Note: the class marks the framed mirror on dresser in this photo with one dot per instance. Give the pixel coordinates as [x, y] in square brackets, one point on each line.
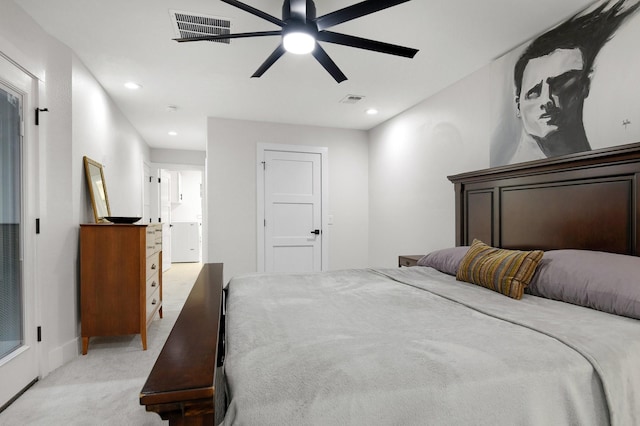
[97, 189]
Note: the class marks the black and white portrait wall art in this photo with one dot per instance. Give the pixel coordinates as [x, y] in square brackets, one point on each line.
[574, 88]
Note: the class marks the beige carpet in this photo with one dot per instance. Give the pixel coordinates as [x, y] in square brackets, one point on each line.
[102, 387]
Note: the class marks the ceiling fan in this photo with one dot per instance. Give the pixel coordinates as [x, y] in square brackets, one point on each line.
[301, 31]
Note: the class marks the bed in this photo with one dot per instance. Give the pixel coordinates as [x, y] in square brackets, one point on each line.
[423, 345]
[416, 347]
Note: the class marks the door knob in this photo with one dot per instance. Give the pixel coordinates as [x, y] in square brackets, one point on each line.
[316, 231]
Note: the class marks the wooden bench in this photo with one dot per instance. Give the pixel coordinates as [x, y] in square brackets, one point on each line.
[181, 385]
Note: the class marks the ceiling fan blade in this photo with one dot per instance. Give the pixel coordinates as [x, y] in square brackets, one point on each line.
[365, 43]
[328, 64]
[252, 10]
[354, 11]
[270, 61]
[227, 36]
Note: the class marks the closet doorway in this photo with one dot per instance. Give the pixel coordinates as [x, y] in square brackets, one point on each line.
[186, 201]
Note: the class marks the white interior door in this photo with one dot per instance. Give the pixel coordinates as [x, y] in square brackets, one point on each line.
[165, 217]
[292, 211]
[18, 190]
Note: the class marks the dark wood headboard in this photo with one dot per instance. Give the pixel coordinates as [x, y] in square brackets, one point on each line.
[585, 201]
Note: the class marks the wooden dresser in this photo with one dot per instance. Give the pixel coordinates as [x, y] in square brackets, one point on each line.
[120, 279]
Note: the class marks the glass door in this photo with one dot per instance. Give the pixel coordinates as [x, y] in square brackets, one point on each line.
[11, 306]
[18, 190]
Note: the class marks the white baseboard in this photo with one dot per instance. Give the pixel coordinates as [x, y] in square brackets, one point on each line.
[62, 354]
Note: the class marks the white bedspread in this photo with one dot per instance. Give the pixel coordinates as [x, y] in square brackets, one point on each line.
[413, 346]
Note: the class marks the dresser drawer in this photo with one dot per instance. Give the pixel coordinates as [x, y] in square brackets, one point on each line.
[153, 283]
[153, 264]
[153, 303]
[158, 235]
[151, 249]
[154, 238]
[152, 233]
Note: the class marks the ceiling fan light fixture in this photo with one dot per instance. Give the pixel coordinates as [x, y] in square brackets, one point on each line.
[298, 42]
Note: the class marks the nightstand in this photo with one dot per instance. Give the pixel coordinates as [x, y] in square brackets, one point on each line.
[409, 260]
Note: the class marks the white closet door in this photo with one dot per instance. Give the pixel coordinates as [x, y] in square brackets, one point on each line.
[293, 207]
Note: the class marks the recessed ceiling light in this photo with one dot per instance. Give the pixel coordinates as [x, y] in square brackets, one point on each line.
[172, 133]
[372, 111]
[132, 85]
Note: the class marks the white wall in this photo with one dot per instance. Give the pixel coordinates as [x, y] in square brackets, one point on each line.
[411, 202]
[231, 183]
[178, 156]
[81, 120]
[103, 133]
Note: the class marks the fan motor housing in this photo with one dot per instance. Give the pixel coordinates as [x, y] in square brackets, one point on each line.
[289, 14]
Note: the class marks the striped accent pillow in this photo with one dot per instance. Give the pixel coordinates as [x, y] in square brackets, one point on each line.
[505, 271]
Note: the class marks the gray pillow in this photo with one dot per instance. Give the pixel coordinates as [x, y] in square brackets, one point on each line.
[604, 281]
[445, 260]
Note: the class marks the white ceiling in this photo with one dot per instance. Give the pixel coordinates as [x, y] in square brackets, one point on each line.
[123, 40]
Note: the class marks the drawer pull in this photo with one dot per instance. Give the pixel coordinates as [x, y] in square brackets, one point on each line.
[153, 284]
[154, 266]
[153, 302]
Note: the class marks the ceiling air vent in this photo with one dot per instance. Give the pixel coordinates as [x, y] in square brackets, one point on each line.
[351, 99]
[188, 24]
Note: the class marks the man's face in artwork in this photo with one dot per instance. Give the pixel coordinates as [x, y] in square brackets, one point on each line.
[554, 87]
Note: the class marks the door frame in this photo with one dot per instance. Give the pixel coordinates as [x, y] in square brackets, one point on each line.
[260, 197]
[165, 203]
[155, 200]
[147, 189]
